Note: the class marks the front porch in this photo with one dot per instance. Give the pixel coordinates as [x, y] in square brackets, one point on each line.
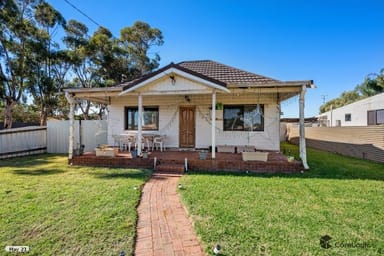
[177, 161]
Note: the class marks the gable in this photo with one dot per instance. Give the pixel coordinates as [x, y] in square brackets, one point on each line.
[181, 85]
[174, 80]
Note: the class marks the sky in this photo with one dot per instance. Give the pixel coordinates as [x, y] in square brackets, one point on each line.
[336, 43]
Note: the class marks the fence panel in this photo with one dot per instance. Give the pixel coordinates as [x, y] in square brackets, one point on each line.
[365, 142]
[23, 141]
[91, 133]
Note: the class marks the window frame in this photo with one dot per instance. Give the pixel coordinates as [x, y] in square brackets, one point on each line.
[136, 109]
[381, 118]
[372, 114]
[348, 117]
[242, 112]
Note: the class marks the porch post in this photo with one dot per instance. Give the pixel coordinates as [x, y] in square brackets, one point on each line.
[71, 101]
[213, 126]
[302, 146]
[139, 124]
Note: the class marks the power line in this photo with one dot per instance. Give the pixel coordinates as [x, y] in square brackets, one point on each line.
[83, 13]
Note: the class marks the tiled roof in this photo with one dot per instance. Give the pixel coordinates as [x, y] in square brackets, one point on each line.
[228, 75]
[220, 74]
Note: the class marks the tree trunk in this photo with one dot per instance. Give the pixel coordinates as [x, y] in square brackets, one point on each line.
[43, 117]
[9, 104]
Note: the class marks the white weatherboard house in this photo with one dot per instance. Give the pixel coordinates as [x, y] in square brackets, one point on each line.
[198, 104]
[368, 111]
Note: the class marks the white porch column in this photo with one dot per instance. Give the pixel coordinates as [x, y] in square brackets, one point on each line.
[71, 101]
[139, 124]
[302, 146]
[213, 126]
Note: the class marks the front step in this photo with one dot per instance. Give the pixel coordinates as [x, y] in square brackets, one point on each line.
[170, 169]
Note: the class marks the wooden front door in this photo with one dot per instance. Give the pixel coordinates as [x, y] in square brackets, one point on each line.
[187, 127]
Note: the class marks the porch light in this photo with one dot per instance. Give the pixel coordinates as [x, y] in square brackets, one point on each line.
[173, 79]
[216, 249]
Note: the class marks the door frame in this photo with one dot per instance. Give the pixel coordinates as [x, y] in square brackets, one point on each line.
[194, 125]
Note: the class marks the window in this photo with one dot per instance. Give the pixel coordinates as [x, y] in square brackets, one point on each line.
[150, 118]
[371, 117]
[375, 117]
[380, 116]
[348, 118]
[244, 117]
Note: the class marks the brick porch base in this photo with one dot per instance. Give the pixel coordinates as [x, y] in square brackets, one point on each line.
[231, 162]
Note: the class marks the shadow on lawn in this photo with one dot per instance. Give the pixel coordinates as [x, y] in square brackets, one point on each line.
[123, 174]
[37, 172]
[313, 173]
[30, 161]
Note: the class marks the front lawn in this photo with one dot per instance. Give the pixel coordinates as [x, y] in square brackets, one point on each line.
[56, 209]
[340, 197]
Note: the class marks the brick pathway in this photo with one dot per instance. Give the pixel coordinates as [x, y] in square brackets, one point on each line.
[163, 226]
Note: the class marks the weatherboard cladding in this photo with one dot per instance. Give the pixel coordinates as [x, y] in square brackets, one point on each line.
[211, 71]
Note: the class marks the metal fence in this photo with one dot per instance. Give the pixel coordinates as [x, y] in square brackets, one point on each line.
[23, 141]
[89, 133]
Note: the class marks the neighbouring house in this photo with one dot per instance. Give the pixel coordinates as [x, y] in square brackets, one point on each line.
[198, 104]
[365, 112]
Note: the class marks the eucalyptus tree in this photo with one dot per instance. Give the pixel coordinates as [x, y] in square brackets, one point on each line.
[102, 60]
[17, 34]
[136, 41]
[47, 61]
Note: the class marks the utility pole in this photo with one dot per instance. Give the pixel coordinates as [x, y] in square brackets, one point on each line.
[324, 96]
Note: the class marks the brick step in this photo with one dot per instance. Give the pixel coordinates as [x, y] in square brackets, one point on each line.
[170, 169]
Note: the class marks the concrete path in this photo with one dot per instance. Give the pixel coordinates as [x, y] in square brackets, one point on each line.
[163, 226]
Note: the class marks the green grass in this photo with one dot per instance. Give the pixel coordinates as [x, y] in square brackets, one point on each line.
[287, 214]
[57, 209]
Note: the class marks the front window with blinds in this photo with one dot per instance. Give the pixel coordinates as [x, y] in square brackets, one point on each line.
[244, 117]
[150, 118]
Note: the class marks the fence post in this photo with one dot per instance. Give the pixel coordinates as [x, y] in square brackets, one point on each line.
[71, 124]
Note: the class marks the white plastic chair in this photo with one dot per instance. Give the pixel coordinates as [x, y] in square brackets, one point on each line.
[116, 139]
[158, 141]
[126, 142]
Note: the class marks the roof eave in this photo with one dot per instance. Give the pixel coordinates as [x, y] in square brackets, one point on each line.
[299, 83]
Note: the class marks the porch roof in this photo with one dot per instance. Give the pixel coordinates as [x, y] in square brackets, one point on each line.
[213, 75]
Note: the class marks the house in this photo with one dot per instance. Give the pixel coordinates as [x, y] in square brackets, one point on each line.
[198, 104]
[368, 111]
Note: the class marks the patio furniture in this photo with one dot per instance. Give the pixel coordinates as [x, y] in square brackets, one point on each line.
[158, 141]
[126, 142]
[116, 140]
[144, 142]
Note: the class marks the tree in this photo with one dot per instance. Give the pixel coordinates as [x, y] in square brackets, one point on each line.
[17, 33]
[102, 60]
[346, 97]
[137, 40]
[372, 85]
[46, 62]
